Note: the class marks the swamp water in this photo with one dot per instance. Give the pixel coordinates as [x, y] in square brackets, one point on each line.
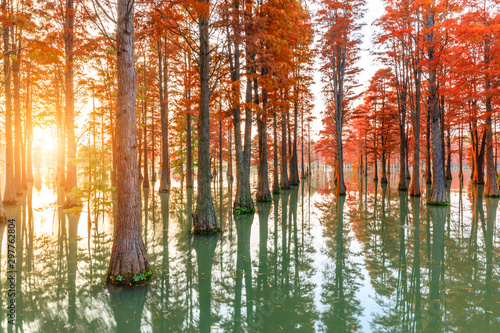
[372, 261]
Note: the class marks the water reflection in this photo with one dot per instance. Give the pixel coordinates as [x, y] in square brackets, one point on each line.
[308, 261]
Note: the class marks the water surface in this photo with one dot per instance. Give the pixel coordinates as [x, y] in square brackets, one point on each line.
[372, 261]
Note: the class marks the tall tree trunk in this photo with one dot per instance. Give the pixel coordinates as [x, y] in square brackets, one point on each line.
[18, 133]
[403, 144]
[10, 181]
[263, 193]
[491, 186]
[294, 168]
[145, 181]
[384, 169]
[163, 88]
[438, 193]
[204, 218]
[448, 155]
[61, 135]
[276, 185]
[285, 183]
[29, 129]
[303, 175]
[428, 172]
[220, 142]
[375, 169]
[71, 176]
[415, 179]
[230, 162]
[128, 255]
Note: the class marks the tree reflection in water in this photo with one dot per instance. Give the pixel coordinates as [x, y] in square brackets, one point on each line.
[374, 260]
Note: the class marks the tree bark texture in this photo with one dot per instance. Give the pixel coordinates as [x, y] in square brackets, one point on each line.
[204, 218]
[128, 254]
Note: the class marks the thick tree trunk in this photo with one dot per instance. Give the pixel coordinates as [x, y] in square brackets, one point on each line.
[10, 181]
[402, 157]
[163, 87]
[285, 182]
[438, 193]
[128, 255]
[263, 193]
[71, 175]
[204, 218]
[478, 150]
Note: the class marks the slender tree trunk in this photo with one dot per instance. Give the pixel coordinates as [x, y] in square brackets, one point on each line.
[145, 181]
[204, 218]
[163, 89]
[230, 162]
[71, 176]
[263, 193]
[128, 255]
[438, 193]
[10, 181]
[384, 169]
[448, 155]
[491, 186]
[29, 129]
[294, 168]
[303, 175]
[61, 136]
[375, 169]
[189, 179]
[220, 142]
[18, 133]
[285, 183]
[415, 181]
[276, 185]
[403, 144]
[428, 172]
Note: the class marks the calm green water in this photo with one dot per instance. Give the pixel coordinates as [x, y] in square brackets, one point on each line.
[373, 261]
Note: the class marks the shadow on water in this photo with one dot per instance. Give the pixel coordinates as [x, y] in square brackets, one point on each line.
[308, 261]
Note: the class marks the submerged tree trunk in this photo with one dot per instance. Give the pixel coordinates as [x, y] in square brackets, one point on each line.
[448, 155]
[10, 182]
[438, 193]
[263, 193]
[415, 181]
[71, 176]
[276, 185]
[163, 87]
[491, 187]
[285, 182]
[204, 218]
[128, 255]
[29, 130]
[294, 168]
[145, 181]
[428, 172]
[384, 169]
[18, 134]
